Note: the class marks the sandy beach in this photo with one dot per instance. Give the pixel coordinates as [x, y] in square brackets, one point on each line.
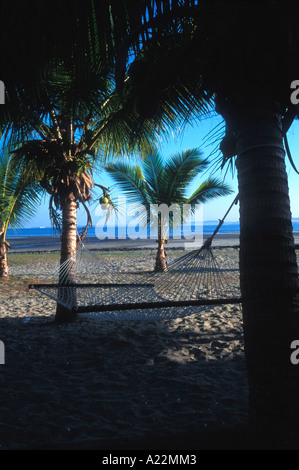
[44, 243]
[159, 384]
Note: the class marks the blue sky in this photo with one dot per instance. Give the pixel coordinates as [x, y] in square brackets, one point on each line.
[196, 136]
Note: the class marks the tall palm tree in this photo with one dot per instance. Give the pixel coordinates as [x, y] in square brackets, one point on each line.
[57, 143]
[58, 139]
[74, 115]
[244, 55]
[253, 96]
[19, 198]
[156, 182]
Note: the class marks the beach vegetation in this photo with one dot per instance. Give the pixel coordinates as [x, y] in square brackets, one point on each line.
[33, 258]
[156, 182]
[65, 136]
[19, 199]
[57, 145]
[65, 118]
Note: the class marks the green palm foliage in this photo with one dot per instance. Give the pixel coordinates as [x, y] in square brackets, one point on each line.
[58, 141]
[55, 144]
[155, 182]
[19, 198]
[74, 122]
[77, 123]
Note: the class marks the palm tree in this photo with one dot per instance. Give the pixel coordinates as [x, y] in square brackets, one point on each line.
[157, 182]
[253, 97]
[73, 115]
[57, 145]
[19, 199]
[59, 139]
[244, 55]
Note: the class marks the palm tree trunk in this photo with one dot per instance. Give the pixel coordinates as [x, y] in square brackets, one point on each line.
[68, 257]
[269, 278]
[161, 261]
[4, 272]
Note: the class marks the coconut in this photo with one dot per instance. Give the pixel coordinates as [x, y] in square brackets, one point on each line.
[104, 201]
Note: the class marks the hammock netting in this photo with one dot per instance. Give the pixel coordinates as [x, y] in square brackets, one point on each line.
[89, 285]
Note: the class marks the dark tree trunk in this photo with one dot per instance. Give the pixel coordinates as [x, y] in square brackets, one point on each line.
[68, 252]
[269, 278]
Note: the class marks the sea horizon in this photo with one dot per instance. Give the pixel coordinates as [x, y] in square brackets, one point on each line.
[207, 228]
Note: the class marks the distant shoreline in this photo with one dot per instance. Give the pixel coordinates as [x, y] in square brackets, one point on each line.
[52, 243]
[47, 243]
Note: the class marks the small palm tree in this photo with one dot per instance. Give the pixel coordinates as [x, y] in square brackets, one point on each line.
[156, 182]
[19, 199]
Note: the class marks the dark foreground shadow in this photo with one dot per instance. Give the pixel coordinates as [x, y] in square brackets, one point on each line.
[222, 439]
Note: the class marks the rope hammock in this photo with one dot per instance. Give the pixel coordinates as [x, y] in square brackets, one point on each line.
[192, 282]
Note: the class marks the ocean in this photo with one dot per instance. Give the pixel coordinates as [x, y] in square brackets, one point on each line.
[208, 228]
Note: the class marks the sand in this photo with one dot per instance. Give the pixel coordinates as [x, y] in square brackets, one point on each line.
[174, 384]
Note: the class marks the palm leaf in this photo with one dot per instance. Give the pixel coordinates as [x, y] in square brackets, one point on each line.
[209, 189]
[153, 170]
[19, 197]
[156, 182]
[180, 170]
[131, 180]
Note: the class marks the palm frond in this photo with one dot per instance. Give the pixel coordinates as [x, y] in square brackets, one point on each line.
[180, 170]
[209, 189]
[19, 196]
[156, 183]
[131, 180]
[153, 170]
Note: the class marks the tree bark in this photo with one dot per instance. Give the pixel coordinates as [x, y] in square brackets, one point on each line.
[269, 278]
[161, 260]
[4, 272]
[68, 253]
